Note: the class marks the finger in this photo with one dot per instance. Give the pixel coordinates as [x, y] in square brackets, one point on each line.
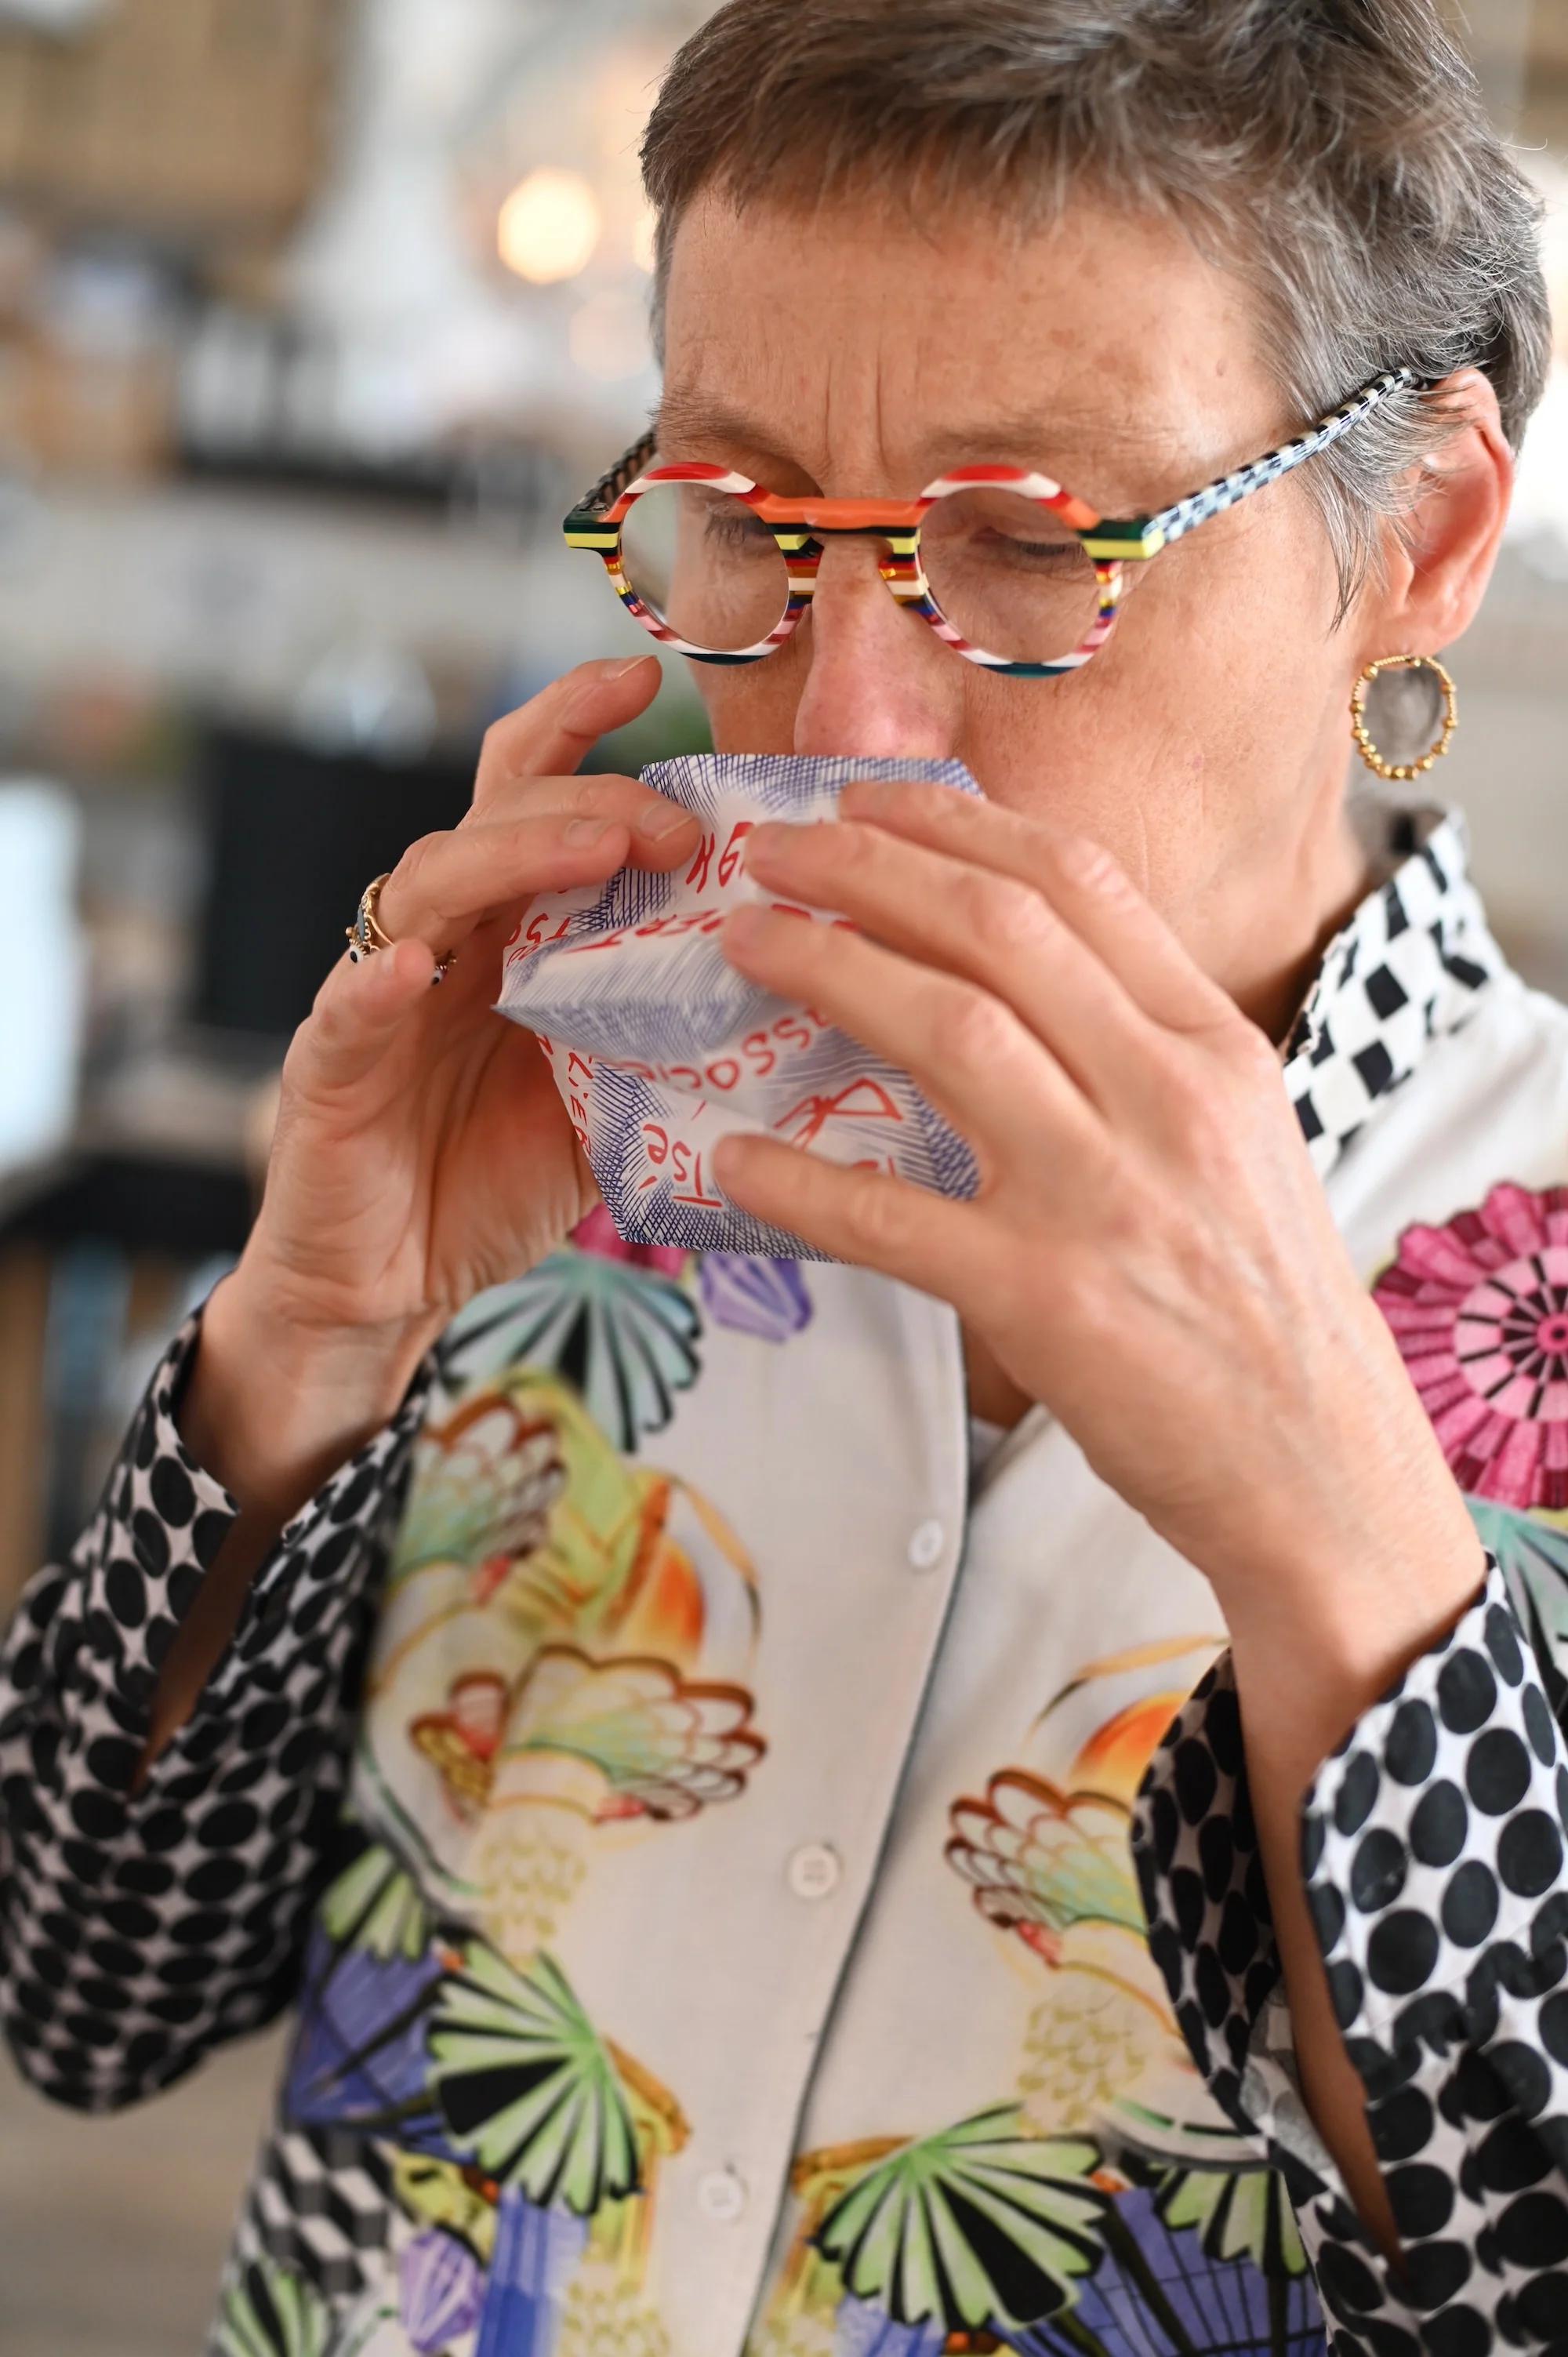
[867, 1218]
[1088, 889]
[557, 729]
[661, 831]
[986, 924]
[1000, 1085]
[358, 1011]
[446, 885]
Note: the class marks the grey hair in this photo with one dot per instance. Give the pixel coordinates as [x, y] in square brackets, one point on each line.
[1336, 154]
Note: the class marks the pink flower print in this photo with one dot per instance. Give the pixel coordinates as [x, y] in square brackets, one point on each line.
[598, 1235]
[1480, 1309]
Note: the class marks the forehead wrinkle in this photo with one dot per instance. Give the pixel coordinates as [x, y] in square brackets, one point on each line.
[1069, 434]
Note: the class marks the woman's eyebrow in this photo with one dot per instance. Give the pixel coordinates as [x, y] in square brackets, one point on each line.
[695, 418]
[1069, 434]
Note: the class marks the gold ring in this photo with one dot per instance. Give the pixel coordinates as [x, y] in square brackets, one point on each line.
[365, 936]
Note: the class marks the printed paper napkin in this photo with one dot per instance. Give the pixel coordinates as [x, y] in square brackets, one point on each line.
[659, 1047]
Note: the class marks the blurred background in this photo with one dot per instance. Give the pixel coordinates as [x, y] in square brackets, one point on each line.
[315, 315]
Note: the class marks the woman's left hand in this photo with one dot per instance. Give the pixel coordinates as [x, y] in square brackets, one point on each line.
[1151, 1254]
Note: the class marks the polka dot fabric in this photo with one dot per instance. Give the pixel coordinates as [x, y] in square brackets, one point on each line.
[138, 1928]
[1433, 1846]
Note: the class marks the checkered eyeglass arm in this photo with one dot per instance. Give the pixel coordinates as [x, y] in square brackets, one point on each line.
[1174, 521]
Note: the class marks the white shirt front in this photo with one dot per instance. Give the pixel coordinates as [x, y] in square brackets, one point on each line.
[733, 1941]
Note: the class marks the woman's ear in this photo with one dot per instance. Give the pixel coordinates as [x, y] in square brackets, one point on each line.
[1439, 556]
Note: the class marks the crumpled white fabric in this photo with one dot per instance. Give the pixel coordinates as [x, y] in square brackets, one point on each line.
[659, 1047]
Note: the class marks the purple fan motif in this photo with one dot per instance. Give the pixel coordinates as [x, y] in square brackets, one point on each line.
[442, 2288]
[1157, 2293]
[862, 2332]
[765, 1298]
[536, 2257]
[359, 2058]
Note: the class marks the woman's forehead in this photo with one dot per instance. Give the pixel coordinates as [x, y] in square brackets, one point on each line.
[854, 335]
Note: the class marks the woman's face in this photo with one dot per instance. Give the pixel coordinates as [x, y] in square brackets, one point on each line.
[1207, 745]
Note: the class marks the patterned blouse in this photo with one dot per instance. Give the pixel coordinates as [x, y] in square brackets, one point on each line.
[747, 1887]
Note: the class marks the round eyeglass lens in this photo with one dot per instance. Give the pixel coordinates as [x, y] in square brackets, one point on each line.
[707, 567]
[1009, 574]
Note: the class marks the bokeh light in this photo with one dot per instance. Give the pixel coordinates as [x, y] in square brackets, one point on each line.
[549, 227]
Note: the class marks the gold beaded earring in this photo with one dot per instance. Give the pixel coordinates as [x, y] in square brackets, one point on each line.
[1368, 751]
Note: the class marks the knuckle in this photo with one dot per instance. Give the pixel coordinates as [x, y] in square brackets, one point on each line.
[1085, 864]
[319, 1027]
[1004, 913]
[959, 813]
[878, 1218]
[505, 746]
[1251, 1057]
[412, 877]
[970, 1028]
[495, 746]
[1199, 1128]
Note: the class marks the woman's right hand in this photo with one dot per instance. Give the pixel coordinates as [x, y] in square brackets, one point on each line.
[421, 1150]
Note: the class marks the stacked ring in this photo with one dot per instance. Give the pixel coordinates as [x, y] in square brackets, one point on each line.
[365, 936]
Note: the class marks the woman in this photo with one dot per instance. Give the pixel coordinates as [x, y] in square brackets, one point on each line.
[812, 1875]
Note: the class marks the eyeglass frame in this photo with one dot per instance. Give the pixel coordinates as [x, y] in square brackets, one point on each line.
[799, 525]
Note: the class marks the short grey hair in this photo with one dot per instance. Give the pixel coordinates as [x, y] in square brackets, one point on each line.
[1336, 154]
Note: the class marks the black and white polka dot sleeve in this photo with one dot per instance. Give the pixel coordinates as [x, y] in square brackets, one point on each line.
[1433, 1850]
[139, 1929]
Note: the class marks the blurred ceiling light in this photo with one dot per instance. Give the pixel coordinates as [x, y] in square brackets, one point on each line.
[644, 240]
[608, 337]
[549, 227]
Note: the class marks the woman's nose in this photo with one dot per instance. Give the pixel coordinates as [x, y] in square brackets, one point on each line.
[876, 680]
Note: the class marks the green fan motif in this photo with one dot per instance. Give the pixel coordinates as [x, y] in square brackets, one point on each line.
[375, 1905]
[526, 2084]
[624, 1338]
[977, 2227]
[1243, 2213]
[270, 2313]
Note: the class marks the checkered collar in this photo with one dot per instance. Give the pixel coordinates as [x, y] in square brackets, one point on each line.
[1407, 968]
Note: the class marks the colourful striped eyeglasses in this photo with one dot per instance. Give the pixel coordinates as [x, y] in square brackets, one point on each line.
[1014, 572]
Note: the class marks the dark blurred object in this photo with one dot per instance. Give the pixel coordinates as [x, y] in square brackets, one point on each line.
[294, 837]
[201, 120]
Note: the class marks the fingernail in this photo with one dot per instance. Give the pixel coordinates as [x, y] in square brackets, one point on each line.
[665, 820]
[584, 831]
[585, 696]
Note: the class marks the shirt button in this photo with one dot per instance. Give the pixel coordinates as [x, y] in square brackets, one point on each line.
[721, 2196]
[926, 1547]
[814, 1870]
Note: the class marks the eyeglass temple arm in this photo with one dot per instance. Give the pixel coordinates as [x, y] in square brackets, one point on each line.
[1147, 535]
[1129, 536]
[609, 487]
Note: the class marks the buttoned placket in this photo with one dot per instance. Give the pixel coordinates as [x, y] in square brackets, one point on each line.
[817, 1888]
